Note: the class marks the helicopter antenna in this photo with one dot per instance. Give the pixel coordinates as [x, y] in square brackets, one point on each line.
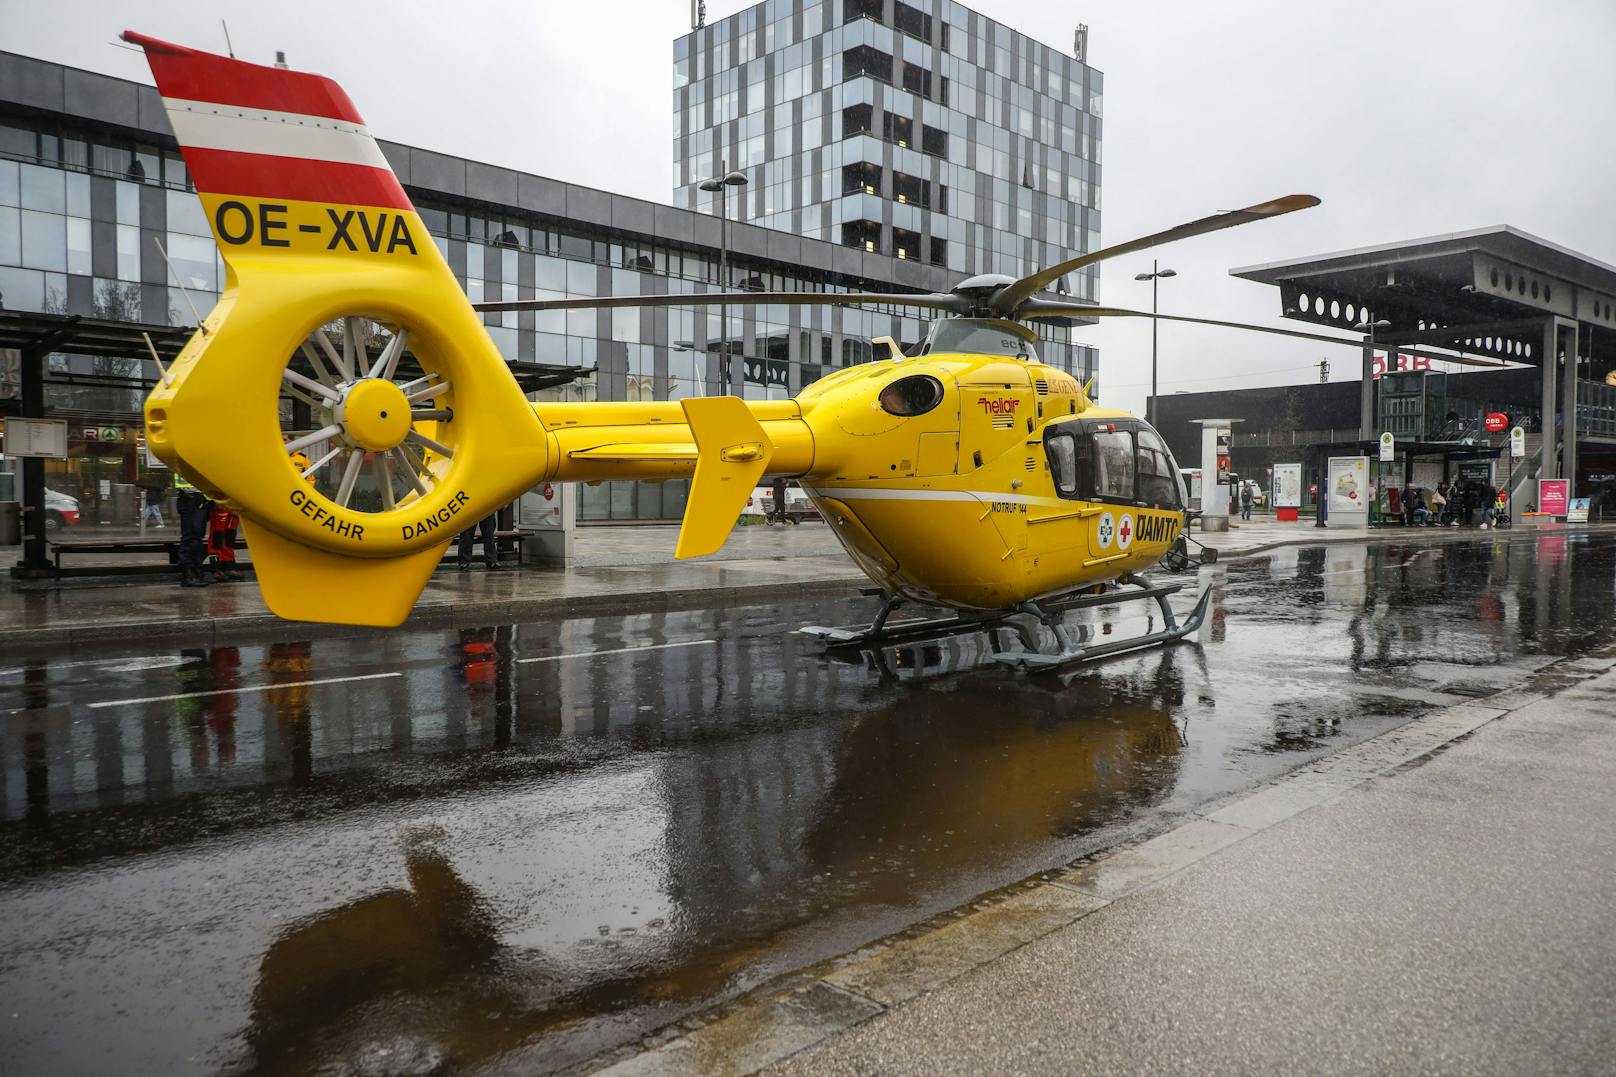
[231, 49]
[181, 286]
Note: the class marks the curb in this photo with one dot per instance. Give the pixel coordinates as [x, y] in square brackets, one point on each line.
[812, 1007]
[436, 617]
[1443, 537]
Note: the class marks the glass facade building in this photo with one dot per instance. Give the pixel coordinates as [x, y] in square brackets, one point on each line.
[921, 129]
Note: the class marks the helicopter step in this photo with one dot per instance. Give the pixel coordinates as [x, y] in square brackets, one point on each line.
[883, 632]
[1071, 654]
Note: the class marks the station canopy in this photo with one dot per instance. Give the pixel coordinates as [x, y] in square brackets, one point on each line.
[1487, 292]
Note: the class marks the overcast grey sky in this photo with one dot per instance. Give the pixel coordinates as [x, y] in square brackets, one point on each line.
[1408, 117]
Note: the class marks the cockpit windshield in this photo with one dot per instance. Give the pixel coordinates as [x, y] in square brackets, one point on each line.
[978, 336]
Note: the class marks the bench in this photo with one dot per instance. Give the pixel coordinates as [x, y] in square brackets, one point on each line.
[504, 542]
[170, 546]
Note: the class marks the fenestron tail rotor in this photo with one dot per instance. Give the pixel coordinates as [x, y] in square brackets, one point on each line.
[369, 428]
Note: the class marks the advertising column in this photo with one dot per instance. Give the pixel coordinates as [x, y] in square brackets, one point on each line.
[1287, 491]
[1348, 491]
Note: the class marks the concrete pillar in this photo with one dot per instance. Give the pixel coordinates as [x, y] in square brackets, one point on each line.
[1366, 393]
[1568, 407]
[1547, 350]
[1214, 495]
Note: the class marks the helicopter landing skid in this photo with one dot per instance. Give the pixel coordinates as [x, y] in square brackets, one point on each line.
[1070, 655]
[883, 632]
[880, 631]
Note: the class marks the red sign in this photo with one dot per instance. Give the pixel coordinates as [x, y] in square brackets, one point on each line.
[1404, 362]
[1552, 496]
[1496, 422]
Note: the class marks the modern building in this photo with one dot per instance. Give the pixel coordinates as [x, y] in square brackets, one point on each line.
[920, 130]
[91, 180]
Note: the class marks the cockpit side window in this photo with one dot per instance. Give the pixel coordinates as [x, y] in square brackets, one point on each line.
[1113, 464]
[1062, 454]
[1159, 483]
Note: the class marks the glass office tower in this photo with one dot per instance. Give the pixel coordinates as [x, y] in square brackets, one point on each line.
[922, 130]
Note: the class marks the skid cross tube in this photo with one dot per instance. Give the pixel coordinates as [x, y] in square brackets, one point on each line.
[1070, 655]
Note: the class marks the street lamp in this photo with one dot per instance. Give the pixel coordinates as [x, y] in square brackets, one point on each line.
[1156, 274]
[1368, 423]
[719, 185]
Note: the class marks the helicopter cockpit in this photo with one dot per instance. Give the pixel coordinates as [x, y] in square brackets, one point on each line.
[1117, 461]
[980, 336]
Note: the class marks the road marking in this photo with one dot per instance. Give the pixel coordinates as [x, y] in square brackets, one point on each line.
[617, 650]
[242, 690]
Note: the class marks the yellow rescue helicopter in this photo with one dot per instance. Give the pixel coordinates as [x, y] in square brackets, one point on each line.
[968, 476]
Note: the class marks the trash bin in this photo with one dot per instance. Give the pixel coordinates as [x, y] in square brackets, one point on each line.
[10, 523]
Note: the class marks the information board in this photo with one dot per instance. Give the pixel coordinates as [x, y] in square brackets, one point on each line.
[1578, 512]
[1287, 486]
[1349, 484]
[36, 437]
[1553, 496]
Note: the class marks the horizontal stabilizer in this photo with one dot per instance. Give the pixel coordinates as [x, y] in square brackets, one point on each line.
[733, 452]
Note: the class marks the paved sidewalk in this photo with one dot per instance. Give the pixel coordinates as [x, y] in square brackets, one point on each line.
[1434, 900]
[616, 569]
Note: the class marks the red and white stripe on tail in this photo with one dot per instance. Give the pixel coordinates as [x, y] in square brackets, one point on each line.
[266, 132]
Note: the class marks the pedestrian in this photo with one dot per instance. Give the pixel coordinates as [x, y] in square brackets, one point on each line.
[1245, 501]
[777, 489]
[191, 506]
[1488, 498]
[490, 546]
[152, 489]
[1408, 498]
[1439, 506]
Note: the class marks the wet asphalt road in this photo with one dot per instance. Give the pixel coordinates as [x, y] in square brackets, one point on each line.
[507, 849]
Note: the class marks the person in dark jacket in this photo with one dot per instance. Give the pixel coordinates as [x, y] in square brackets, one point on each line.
[490, 546]
[192, 506]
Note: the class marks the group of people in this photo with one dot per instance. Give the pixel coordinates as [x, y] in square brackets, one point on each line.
[1470, 502]
[206, 530]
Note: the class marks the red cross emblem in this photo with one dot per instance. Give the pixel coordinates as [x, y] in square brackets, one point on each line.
[1127, 532]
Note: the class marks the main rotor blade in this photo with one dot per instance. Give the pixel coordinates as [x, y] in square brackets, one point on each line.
[1039, 309]
[932, 300]
[1008, 300]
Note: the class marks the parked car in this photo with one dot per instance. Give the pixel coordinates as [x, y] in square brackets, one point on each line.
[60, 510]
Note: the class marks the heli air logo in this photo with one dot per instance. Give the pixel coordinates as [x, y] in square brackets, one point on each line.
[1001, 411]
[1107, 531]
[1125, 532]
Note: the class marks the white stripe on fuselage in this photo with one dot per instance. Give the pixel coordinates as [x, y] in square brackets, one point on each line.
[209, 126]
[866, 493]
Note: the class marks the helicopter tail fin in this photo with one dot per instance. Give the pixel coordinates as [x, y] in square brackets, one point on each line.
[411, 427]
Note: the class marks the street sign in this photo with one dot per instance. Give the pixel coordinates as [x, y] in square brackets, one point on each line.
[36, 437]
[1496, 422]
[1517, 443]
[1388, 448]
